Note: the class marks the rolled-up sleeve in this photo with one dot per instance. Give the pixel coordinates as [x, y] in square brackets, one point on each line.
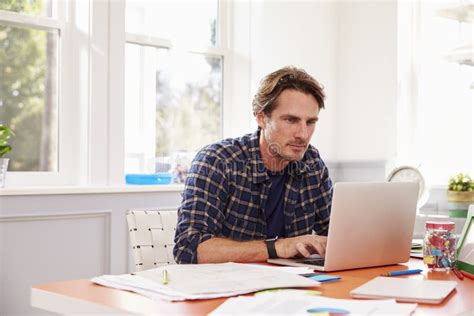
[201, 213]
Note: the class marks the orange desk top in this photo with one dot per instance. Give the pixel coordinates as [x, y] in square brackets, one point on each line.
[459, 301]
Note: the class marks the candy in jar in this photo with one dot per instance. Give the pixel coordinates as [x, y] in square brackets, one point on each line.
[439, 245]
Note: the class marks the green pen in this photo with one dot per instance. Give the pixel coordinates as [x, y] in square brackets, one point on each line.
[164, 278]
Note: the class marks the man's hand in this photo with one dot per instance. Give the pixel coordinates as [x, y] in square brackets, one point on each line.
[305, 245]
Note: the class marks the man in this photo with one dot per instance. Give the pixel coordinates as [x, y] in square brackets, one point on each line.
[263, 195]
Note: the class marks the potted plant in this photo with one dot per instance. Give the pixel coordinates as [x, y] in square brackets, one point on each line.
[5, 134]
[460, 194]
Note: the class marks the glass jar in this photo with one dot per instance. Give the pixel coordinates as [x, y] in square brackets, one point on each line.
[439, 246]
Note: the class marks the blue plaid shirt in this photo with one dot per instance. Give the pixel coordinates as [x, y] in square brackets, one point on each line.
[226, 190]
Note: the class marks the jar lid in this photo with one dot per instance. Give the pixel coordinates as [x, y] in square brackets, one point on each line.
[440, 225]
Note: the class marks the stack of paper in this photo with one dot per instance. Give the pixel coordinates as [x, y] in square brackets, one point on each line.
[293, 303]
[203, 281]
[417, 248]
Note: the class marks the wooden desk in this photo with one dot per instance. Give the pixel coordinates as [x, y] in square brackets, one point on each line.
[82, 296]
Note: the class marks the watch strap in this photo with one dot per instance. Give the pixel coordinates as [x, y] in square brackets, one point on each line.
[270, 243]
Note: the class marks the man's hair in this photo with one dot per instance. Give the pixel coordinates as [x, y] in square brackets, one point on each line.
[283, 79]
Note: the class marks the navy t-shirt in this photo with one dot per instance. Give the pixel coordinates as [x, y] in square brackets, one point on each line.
[274, 206]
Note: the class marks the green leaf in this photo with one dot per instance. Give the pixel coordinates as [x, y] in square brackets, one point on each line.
[5, 149]
[461, 182]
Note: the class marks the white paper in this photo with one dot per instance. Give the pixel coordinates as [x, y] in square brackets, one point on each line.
[202, 281]
[225, 277]
[133, 283]
[297, 304]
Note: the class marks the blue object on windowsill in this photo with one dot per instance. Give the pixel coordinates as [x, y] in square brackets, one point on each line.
[149, 179]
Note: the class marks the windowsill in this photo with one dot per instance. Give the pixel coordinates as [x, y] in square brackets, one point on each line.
[90, 189]
[421, 219]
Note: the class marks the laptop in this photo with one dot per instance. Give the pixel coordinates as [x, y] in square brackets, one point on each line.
[371, 225]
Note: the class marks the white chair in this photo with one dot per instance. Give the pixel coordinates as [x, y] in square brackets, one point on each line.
[152, 237]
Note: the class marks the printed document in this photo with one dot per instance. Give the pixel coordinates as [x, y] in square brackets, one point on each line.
[294, 303]
[201, 281]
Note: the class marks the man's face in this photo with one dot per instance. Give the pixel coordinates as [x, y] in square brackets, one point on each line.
[288, 129]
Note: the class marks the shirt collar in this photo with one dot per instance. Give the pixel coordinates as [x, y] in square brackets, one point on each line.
[258, 169]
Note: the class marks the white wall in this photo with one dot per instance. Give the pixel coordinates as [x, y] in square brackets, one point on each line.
[351, 48]
[53, 236]
[302, 34]
[366, 88]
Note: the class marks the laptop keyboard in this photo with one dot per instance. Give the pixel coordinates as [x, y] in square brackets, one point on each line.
[313, 261]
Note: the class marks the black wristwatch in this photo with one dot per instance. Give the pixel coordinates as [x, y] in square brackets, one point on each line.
[272, 254]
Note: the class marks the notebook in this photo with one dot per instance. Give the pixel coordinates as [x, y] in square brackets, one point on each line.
[371, 225]
[405, 290]
[417, 248]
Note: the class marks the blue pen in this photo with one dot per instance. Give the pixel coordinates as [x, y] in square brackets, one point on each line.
[402, 272]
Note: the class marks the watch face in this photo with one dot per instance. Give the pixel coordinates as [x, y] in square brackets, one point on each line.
[410, 174]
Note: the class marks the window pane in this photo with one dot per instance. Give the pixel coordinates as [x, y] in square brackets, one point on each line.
[193, 23]
[29, 7]
[176, 98]
[28, 96]
[446, 112]
[139, 108]
[188, 101]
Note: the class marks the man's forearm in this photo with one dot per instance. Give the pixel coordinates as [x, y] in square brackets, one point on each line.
[216, 250]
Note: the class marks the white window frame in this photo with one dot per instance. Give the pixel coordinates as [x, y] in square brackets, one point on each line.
[91, 87]
[222, 50]
[66, 106]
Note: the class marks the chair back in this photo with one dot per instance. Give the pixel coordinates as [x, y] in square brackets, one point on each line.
[152, 237]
